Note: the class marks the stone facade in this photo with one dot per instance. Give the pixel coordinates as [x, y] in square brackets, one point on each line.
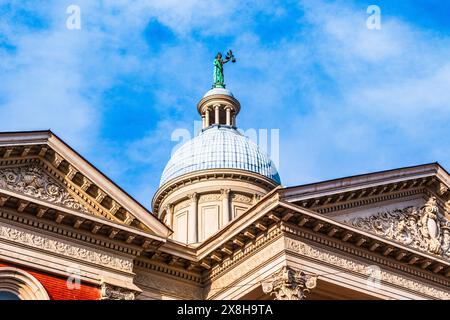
[68, 232]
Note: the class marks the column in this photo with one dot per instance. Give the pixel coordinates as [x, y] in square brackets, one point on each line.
[289, 284]
[233, 120]
[193, 215]
[228, 111]
[225, 206]
[216, 115]
[207, 122]
[168, 219]
[203, 121]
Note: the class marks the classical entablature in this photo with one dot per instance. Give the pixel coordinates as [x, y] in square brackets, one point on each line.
[423, 228]
[56, 203]
[316, 241]
[337, 224]
[59, 166]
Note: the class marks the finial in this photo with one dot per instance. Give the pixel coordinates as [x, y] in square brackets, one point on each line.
[218, 68]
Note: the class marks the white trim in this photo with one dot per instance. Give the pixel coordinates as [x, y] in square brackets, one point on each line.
[21, 283]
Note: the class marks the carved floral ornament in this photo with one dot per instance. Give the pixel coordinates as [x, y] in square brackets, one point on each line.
[362, 268]
[424, 228]
[37, 241]
[32, 181]
[110, 292]
[289, 284]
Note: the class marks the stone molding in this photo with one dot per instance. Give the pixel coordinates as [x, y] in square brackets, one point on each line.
[181, 205]
[241, 270]
[363, 269]
[169, 286]
[209, 197]
[354, 251]
[31, 180]
[10, 215]
[206, 175]
[110, 292]
[62, 248]
[289, 284]
[237, 197]
[166, 269]
[367, 201]
[260, 242]
[424, 228]
[21, 283]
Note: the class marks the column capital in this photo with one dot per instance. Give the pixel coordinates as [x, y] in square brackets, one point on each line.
[111, 292]
[193, 196]
[290, 284]
[256, 198]
[225, 193]
[168, 207]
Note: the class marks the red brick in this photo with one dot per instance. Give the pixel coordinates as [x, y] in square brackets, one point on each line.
[56, 286]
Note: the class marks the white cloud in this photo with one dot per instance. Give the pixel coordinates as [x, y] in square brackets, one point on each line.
[342, 96]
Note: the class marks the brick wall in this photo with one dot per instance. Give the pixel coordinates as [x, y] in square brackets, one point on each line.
[56, 286]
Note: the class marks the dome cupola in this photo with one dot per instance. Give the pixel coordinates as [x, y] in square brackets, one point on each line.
[216, 176]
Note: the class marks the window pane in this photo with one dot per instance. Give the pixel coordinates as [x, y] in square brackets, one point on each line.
[4, 295]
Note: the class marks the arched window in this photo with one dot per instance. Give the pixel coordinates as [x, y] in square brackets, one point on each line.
[6, 295]
[18, 284]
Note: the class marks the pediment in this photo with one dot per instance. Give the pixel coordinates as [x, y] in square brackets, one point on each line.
[409, 206]
[32, 180]
[40, 165]
[425, 228]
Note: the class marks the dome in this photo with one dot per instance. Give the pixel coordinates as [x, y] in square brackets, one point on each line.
[215, 91]
[219, 147]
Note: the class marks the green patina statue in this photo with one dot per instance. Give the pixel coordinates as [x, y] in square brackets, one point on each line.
[218, 68]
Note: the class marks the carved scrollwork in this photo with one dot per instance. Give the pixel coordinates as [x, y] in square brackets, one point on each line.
[32, 181]
[289, 284]
[423, 228]
[65, 249]
[241, 198]
[181, 205]
[110, 292]
[210, 197]
[356, 266]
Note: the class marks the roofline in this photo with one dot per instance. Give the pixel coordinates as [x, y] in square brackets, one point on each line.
[370, 174]
[205, 172]
[51, 134]
[362, 180]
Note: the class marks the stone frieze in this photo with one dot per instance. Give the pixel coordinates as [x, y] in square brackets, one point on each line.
[424, 228]
[32, 181]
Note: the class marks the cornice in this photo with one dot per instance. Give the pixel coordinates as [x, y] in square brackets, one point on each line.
[354, 251]
[86, 180]
[45, 241]
[364, 181]
[208, 175]
[176, 273]
[211, 99]
[347, 205]
[52, 228]
[389, 276]
[76, 224]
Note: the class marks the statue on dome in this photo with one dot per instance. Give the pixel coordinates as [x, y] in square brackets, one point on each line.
[218, 68]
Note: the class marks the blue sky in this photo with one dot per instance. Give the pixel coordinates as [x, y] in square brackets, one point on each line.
[346, 99]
